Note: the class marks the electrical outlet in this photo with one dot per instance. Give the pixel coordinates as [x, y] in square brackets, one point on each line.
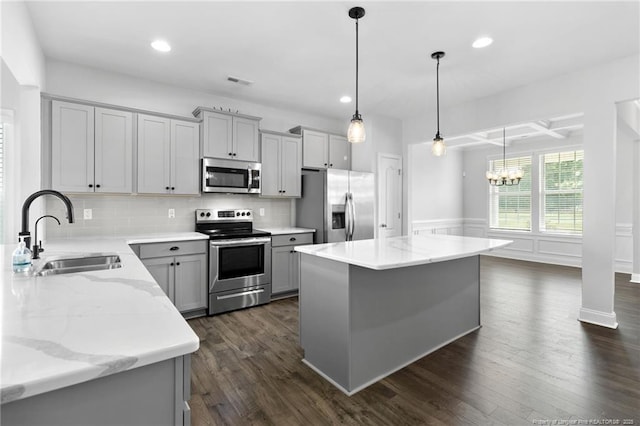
[261, 211]
[172, 213]
[88, 214]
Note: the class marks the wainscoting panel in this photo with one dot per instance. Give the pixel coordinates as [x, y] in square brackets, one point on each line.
[545, 248]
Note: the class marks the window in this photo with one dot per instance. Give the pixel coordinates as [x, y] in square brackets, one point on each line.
[561, 192]
[510, 206]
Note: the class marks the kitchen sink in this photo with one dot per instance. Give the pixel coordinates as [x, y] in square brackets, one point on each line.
[83, 263]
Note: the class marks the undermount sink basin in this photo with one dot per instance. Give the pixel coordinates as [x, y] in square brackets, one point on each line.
[84, 263]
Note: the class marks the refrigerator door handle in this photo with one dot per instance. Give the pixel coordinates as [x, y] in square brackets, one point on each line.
[349, 213]
[353, 215]
[347, 216]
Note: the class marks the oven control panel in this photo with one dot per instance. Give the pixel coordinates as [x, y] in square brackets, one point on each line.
[212, 215]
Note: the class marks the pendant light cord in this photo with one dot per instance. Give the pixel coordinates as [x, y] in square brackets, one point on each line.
[504, 149]
[357, 113]
[438, 95]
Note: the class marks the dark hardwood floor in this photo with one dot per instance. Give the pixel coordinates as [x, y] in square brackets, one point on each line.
[532, 362]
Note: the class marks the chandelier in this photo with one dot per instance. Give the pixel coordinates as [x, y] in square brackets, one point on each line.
[507, 176]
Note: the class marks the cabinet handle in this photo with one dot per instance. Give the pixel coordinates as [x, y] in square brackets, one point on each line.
[177, 263]
[174, 248]
[292, 251]
[325, 164]
[98, 186]
[331, 165]
[166, 187]
[292, 239]
[171, 264]
[90, 186]
[173, 188]
[231, 154]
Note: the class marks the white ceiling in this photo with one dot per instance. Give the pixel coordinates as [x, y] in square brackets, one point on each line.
[301, 55]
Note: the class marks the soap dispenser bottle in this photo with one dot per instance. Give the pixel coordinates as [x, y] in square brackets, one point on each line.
[21, 258]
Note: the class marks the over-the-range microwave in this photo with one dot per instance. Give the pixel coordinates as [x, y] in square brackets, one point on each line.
[233, 176]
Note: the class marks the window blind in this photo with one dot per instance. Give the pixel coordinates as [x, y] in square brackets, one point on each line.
[510, 206]
[561, 192]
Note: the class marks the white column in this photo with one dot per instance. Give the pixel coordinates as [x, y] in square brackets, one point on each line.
[635, 275]
[599, 226]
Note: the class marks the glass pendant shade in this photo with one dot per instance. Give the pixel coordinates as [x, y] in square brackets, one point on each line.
[438, 148]
[356, 133]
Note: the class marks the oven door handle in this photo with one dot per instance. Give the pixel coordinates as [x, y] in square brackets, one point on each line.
[241, 242]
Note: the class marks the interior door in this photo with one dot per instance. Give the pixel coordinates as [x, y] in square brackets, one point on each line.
[389, 195]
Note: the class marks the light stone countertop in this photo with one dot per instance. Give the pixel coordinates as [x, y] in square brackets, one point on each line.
[399, 252]
[60, 330]
[287, 230]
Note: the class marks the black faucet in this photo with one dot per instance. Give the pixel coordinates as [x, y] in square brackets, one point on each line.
[24, 233]
[37, 248]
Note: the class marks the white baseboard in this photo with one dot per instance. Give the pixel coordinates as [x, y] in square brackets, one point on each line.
[604, 319]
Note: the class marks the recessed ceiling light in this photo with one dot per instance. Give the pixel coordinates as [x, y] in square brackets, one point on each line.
[482, 42]
[345, 99]
[161, 46]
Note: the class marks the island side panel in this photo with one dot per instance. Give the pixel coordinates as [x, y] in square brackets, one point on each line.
[400, 315]
[324, 317]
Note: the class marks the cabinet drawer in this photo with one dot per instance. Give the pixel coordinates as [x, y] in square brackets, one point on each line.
[175, 248]
[291, 239]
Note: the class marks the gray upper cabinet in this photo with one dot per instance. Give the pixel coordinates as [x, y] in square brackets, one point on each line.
[281, 164]
[229, 136]
[91, 148]
[168, 156]
[322, 150]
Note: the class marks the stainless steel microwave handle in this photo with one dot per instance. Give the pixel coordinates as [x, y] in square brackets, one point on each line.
[241, 241]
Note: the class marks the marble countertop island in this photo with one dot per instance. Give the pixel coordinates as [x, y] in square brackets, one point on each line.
[60, 330]
[397, 252]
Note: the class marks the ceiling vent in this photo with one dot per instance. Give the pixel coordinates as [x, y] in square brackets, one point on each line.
[239, 80]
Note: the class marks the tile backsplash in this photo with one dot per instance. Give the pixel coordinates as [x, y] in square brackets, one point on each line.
[114, 215]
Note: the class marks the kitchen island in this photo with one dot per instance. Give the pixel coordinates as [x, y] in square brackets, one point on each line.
[369, 308]
[99, 347]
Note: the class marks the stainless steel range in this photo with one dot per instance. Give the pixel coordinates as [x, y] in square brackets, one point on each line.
[239, 259]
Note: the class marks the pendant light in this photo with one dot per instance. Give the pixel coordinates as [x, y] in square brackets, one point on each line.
[356, 133]
[438, 148]
[506, 177]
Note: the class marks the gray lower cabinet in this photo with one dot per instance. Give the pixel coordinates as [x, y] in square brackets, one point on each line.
[154, 394]
[285, 279]
[180, 269]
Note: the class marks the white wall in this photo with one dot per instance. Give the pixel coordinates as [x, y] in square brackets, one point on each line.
[384, 135]
[75, 81]
[593, 91]
[23, 62]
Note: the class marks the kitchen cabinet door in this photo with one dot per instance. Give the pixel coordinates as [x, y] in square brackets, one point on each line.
[245, 135]
[113, 151]
[291, 165]
[72, 147]
[315, 147]
[339, 152]
[154, 154]
[281, 265]
[271, 169]
[185, 157]
[162, 270]
[191, 290]
[217, 135]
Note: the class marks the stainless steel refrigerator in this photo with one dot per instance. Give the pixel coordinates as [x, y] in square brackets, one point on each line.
[338, 204]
